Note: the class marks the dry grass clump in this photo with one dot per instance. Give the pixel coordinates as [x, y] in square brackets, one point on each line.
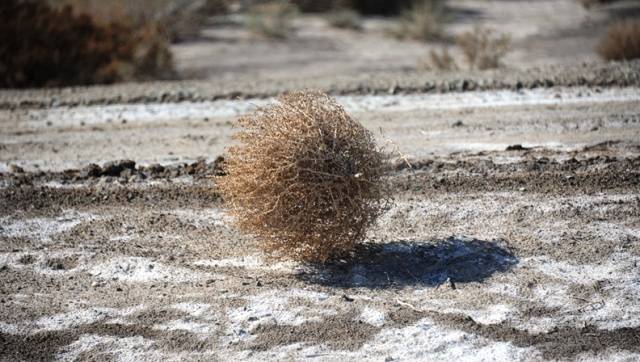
[483, 49]
[273, 19]
[305, 179]
[345, 19]
[44, 46]
[442, 60]
[180, 20]
[622, 41]
[424, 20]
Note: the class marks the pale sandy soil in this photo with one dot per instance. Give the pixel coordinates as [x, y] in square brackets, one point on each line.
[487, 254]
[422, 125]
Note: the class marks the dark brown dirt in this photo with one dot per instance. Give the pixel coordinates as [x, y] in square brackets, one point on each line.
[122, 171]
[537, 174]
[30, 198]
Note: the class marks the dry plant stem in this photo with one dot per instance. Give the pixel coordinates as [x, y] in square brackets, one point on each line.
[408, 305]
[305, 179]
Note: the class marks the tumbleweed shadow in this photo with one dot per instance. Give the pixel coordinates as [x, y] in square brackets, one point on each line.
[397, 264]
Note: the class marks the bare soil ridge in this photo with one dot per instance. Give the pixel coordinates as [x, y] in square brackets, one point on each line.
[615, 74]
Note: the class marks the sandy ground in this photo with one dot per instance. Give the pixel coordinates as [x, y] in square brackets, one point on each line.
[422, 125]
[514, 236]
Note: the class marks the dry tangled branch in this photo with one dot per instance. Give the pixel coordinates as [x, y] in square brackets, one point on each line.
[305, 178]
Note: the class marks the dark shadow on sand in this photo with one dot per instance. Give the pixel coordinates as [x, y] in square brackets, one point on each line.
[399, 264]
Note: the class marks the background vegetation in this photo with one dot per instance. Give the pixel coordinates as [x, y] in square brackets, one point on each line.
[76, 42]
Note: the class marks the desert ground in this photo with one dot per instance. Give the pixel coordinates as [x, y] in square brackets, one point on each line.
[514, 234]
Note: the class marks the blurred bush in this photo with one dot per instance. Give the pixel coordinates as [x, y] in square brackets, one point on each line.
[272, 19]
[622, 41]
[344, 19]
[483, 48]
[424, 20]
[180, 20]
[216, 7]
[45, 46]
[591, 3]
[440, 60]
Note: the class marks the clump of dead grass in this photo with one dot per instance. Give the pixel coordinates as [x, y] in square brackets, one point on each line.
[442, 60]
[180, 20]
[483, 48]
[344, 18]
[306, 179]
[273, 19]
[622, 41]
[424, 20]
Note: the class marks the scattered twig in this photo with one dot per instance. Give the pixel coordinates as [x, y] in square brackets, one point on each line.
[347, 298]
[410, 306]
